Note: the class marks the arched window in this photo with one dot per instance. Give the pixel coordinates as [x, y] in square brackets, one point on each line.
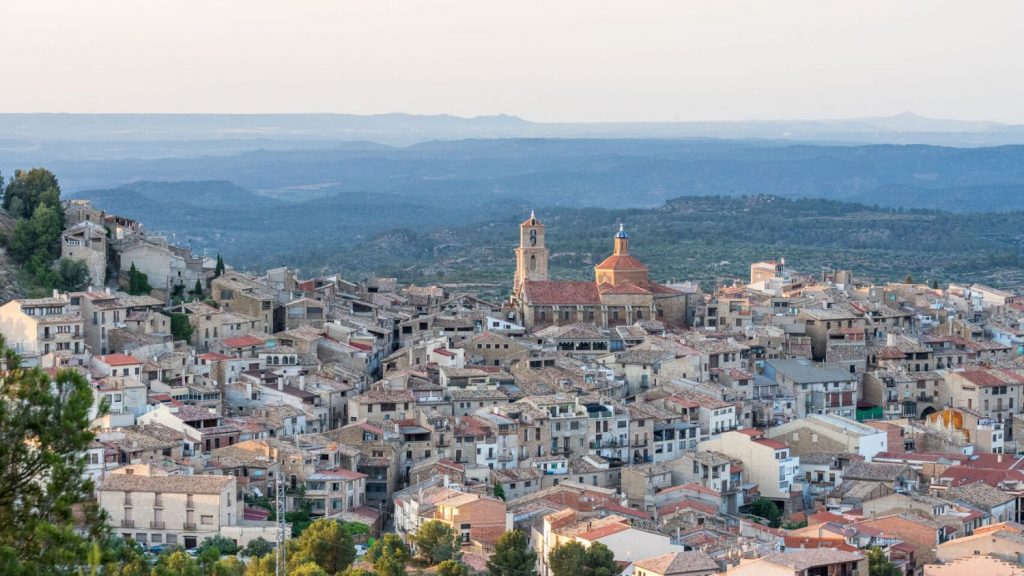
[533, 262]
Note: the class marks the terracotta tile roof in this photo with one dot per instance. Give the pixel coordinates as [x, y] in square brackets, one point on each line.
[961, 476]
[621, 262]
[118, 360]
[623, 288]
[242, 341]
[800, 560]
[603, 531]
[550, 292]
[891, 353]
[686, 504]
[691, 486]
[874, 471]
[970, 565]
[774, 444]
[988, 378]
[342, 473]
[678, 562]
[168, 484]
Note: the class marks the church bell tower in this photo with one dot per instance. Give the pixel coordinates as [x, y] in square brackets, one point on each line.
[531, 255]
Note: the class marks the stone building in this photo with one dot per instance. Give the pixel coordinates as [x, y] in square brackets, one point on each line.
[162, 509]
[87, 241]
[40, 327]
[622, 292]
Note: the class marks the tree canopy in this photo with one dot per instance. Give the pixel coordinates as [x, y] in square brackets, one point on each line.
[28, 190]
[138, 282]
[257, 548]
[765, 508]
[575, 559]
[44, 435]
[452, 568]
[389, 555]
[879, 564]
[512, 556]
[326, 543]
[436, 542]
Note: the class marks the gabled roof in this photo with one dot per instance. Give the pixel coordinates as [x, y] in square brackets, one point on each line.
[118, 360]
[623, 288]
[193, 484]
[678, 562]
[242, 341]
[550, 292]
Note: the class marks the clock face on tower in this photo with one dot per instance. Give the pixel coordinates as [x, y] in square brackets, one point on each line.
[533, 237]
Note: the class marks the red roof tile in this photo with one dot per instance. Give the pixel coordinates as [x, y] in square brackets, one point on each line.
[771, 443]
[624, 288]
[550, 292]
[603, 531]
[621, 262]
[118, 360]
[242, 341]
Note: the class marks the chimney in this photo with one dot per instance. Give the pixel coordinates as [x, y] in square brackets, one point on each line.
[55, 293]
[106, 291]
[302, 381]
[280, 384]
[999, 458]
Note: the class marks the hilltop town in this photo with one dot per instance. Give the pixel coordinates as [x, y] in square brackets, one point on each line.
[791, 424]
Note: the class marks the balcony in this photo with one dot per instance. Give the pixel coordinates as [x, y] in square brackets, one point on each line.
[157, 525]
[506, 457]
[189, 525]
[128, 523]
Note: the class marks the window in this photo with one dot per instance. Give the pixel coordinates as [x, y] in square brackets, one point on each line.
[206, 519]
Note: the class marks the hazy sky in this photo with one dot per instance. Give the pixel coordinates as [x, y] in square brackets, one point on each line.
[550, 60]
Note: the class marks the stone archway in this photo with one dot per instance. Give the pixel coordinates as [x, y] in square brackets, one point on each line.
[927, 411]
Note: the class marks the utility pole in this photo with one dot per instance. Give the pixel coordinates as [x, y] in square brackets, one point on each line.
[281, 526]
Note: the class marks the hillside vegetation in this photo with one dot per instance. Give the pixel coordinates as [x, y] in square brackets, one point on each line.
[706, 238]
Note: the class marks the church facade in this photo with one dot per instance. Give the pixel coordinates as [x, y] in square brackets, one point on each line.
[621, 293]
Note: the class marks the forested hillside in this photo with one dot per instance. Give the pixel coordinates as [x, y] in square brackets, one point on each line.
[709, 238]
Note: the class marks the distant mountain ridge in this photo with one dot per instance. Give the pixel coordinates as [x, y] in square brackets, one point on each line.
[588, 172]
[405, 129]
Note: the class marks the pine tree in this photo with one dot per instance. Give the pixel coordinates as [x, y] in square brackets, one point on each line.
[512, 556]
[324, 543]
[436, 542]
[44, 431]
[389, 555]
